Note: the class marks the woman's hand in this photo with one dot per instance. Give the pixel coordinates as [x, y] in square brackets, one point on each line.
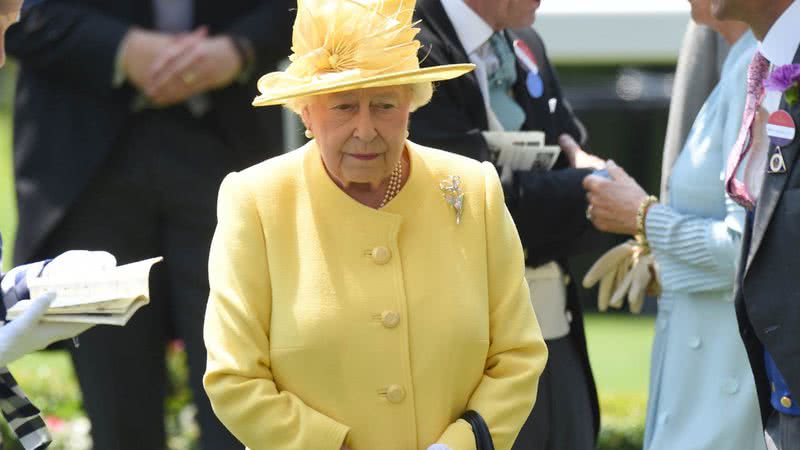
[614, 203]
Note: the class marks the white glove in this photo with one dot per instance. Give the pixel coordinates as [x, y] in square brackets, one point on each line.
[610, 270]
[78, 262]
[645, 281]
[627, 270]
[27, 333]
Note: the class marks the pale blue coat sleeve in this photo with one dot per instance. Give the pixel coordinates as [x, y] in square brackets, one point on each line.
[703, 251]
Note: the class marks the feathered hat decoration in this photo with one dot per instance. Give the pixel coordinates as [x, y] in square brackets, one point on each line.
[340, 45]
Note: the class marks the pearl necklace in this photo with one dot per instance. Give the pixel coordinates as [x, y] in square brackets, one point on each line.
[394, 184]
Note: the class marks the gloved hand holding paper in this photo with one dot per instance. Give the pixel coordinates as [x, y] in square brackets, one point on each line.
[106, 294]
[28, 333]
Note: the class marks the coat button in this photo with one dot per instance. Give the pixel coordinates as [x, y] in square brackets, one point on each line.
[395, 393]
[731, 386]
[786, 402]
[381, 255]
[390, 319]
[695, 342]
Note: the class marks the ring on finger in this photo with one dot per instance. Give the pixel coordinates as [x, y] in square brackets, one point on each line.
[189, 77]
[589, 213]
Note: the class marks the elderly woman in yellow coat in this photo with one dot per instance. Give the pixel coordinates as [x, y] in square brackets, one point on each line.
[366, 291]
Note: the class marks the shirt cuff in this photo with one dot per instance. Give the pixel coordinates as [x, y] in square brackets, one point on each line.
[119, 77]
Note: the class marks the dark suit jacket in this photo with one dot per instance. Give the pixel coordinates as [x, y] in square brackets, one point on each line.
[68, 116]
[548, 207]
[768, 284]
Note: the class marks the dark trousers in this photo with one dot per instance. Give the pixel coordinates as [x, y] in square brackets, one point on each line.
[782, 432]
[155, 196]
[562, 416]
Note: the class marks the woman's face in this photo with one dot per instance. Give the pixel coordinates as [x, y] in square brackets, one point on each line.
[361, 134]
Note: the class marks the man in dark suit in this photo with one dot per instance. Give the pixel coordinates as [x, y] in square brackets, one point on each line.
[548, 206]
[128, 115]
[767, 289]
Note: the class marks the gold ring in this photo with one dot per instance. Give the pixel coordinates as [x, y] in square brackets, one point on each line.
[589, 213]
[189, 77]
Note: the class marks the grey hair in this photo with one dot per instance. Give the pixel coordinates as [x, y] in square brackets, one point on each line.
[421, 94]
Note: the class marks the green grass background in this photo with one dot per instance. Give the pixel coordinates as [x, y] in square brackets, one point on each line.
[8, 215]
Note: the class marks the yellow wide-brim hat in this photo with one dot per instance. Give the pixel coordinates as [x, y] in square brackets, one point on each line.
[342, 45]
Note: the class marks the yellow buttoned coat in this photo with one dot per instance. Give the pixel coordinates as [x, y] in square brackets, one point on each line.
[333, 323]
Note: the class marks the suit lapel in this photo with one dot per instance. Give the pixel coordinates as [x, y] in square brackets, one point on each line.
[537, 110]
[774, 183]
[439, 23]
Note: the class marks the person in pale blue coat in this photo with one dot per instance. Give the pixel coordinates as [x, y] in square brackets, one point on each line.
[702, 393]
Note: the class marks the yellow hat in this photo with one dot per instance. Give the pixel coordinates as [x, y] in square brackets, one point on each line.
[341, 45]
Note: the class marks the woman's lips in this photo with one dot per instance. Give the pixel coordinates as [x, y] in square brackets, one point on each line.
[365, 156]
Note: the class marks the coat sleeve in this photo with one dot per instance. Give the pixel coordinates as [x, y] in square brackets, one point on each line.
[75, 43]
[707, 248]
[269, 29]
[517, 353]
[238, 377]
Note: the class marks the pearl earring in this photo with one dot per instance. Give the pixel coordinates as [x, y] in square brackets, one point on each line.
[309, 134]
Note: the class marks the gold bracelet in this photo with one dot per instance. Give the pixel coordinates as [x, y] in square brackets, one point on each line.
[641, 214]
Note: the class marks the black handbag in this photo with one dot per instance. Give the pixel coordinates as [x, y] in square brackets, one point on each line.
[483, 439]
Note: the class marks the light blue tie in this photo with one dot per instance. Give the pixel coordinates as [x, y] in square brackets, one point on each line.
[508, 112]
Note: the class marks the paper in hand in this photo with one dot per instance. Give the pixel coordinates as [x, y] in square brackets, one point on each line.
[520, 150]
[545, 157]
[110, 296]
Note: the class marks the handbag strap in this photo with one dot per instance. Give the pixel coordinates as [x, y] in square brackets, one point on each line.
[483, 439]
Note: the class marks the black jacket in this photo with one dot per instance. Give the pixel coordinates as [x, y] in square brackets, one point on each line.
[67, 50]
[548, 207]
[768, 283]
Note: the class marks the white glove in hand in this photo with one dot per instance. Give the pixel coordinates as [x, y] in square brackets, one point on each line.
[644, 282]
[76, 263]
[609, 269]
[626, 270]
[27, 333]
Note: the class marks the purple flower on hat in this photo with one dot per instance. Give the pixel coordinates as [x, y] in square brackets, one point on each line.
[785, 79]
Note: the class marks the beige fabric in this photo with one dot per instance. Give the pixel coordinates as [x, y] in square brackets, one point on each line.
[10, 6]
[548, 290]
[695, 78]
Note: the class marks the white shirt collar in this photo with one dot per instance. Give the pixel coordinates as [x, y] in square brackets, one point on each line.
[471, 29]
[781, 42]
